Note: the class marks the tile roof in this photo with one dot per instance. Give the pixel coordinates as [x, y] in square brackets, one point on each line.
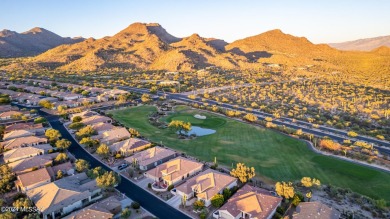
[19, 142]
[61, 193]
[9, 113]
[40, 175]
[25, 126]
[26, 151]
[17, 134]
[175, 169]
[257, 202]
[100, 210]
[95, 119]
[102, 127]
[315, 210]
[129, 144]
[64, 167]
[22, 165]
[84, 114]
[207, 184]
[150, 155]
[116, 134]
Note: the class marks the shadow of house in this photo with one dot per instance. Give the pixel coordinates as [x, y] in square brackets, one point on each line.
[251, 56]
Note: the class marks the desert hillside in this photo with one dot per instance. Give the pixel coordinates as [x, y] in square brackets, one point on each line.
[367, 44]
[30, 43]
[143, 46]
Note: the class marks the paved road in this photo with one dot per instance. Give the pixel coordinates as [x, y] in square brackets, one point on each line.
[335, 134]
[151, 203]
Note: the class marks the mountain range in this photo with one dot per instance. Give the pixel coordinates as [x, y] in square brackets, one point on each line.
[367, 44]
[143, 46]
[30, 43]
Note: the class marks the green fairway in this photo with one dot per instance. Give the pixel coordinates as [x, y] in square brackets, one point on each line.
[275, 156]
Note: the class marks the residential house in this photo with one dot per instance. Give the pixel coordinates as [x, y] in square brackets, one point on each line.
[151, 157]
[102, 127]
[315, 210]
[112, 136]
[83, 114]
[114, 93]
[206, 185]
[249, 202]
[9, 114]
[65, 195]
[31, 163]
[102, 98]
[96, 119]
[103, 209]
[33, 101]
[70, 96]
[129, 146]
[50, 99]
[21, 142]
[25, 152]
[34, 179]
[5, 108]
[174, 171]
[17, 134]
[66, 168]
[31, 127]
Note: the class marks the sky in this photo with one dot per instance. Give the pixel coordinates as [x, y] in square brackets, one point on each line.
[321, 21]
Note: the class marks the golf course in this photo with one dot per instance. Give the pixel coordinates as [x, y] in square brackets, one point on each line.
[276, 157]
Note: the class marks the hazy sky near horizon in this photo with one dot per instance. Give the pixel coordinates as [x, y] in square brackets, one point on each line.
[321, 21]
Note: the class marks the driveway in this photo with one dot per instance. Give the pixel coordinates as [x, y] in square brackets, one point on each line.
[143, 183]
[175, 201]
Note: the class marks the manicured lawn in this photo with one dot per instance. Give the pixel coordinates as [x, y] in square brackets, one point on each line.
[274, 156]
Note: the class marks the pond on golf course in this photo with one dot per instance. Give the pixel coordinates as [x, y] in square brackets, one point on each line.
[199, 131]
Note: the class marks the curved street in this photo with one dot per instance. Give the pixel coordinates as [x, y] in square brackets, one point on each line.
[151, 203]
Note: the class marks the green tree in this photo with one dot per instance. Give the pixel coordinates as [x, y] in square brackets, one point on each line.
[199, 205]
[242, 172]
[250, 117]
[95, 172]
[60, 174]
[103, 150]
[22, 203]
[134, 133]
[46, 104]
[180, 126]
[62, 109]
[61, 157]
[77, 119]
[8, 215]
[284, 189]
[126, 213]
[40, 120]
[145, 98]
[63, 144]
[81, 165]
[89, 142]
[227, 193]
[352, 134]
[52, 134]
[108, 180]
[135, 205]
[217, 200]
[87, 131]
[76, 126]
[7, 178]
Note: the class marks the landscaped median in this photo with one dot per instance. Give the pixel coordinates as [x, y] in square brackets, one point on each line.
[275, 156]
